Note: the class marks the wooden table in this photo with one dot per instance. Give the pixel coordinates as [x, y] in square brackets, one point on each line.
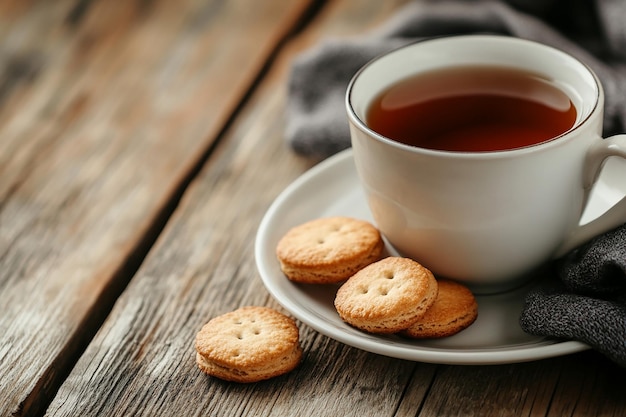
[141, 143]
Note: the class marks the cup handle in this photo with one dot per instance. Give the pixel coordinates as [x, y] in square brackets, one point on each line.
[614, 216]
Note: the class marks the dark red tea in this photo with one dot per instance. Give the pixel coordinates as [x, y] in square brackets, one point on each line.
[472, 109]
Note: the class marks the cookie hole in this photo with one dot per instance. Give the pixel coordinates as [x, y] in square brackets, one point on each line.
[364, 290]
[383, 291]
[236, 354]
[239, 336]
[389, 275]
[320, 241]
[256, 332]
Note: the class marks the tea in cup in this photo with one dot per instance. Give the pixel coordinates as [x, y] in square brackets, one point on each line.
[478, 153]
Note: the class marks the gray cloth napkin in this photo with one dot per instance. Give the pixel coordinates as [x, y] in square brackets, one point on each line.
[586, 300]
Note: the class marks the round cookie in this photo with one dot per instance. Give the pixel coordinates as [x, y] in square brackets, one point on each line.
[328, 250]
[249, 344]
[386, 296]
[454, 310]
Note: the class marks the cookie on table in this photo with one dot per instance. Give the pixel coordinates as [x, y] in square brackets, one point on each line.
[328, 250]
[386, 296]
[249, 344]
[454, 309]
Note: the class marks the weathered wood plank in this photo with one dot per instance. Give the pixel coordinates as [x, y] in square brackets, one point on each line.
[106, 109]
[142, 361]
[590, 385]
[502, 390]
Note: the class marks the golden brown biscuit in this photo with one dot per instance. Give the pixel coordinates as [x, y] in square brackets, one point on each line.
[328, 250]
[248, 345]
[386, 296]
[454, 310]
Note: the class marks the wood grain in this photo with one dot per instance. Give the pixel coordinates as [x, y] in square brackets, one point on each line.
[107, 109]
[142, 360]
[155, 128]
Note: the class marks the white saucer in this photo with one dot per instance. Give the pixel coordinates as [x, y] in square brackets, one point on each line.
[332, 188]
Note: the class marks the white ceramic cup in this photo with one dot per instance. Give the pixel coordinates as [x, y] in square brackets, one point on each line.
[484, 218]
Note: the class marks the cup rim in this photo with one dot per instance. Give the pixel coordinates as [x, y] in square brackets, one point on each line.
[352, 114]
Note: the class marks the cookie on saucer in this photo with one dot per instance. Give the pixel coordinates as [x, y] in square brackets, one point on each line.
[454, 309]
[386, 296]
[328, 250]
